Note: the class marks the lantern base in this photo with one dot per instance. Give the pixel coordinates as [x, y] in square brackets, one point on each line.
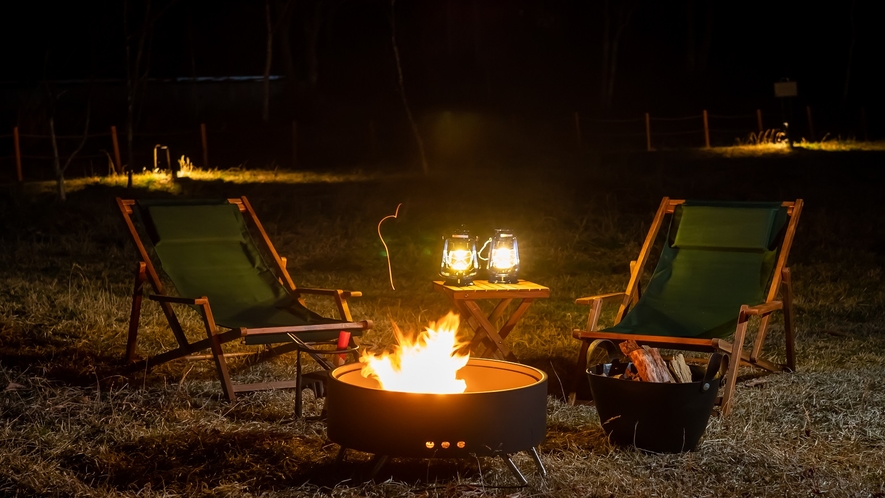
[503, 279]
[459, 281]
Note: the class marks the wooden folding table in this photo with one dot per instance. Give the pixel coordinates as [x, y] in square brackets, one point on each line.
[485, 333]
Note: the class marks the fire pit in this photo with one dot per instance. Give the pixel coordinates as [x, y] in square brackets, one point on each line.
[501, 412]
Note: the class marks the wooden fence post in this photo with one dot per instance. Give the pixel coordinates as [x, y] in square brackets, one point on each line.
[118, 166]
[706, 130]
[647, 133]
[18, 154]
[810, 123]
[759, 121]
[294, 144]
[578, 129]
[205, 145]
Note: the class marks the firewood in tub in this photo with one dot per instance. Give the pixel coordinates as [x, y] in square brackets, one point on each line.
[660, 364]
[679, 369]
[649, 368]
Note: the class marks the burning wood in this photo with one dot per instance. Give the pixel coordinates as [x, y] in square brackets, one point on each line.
[651, 367]
[426, 363]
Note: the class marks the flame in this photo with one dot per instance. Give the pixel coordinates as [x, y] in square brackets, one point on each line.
[459, 259]
[427, 363]
[504, 258]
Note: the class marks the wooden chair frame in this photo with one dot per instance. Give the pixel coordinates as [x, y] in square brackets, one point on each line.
[147, 273]
[781, 285]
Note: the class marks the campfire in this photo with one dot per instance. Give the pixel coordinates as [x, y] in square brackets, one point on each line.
[427, 363]
[426, 398]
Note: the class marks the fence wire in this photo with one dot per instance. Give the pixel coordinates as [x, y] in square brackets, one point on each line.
[738, 116]
[686, 118]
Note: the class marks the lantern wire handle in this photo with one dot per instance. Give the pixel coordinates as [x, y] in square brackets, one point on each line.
[479, 252]
[386, 251]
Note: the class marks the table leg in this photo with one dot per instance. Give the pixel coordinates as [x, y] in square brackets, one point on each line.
[481, 337]
[499, 309]
[515, 317]
[489, 329]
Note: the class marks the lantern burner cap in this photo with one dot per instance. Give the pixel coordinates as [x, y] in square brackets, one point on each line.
[459, 280]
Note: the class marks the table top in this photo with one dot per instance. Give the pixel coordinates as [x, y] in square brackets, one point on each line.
[483, 289]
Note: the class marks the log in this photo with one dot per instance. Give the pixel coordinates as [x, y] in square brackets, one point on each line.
[650, 370]
[679, 369]
[661, 366]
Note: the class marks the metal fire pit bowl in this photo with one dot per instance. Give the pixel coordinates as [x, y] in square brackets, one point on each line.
[503, 411]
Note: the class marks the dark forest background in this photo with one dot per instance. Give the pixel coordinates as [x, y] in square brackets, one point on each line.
[519, 67]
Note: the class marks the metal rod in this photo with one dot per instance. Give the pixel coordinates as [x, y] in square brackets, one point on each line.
[298, 385]
[379, 460]
[647, 133]
[205, 143]
[706, 130]
[18, 154]
[538, 463]
[516, 473]
[118, 166]
[340, 457]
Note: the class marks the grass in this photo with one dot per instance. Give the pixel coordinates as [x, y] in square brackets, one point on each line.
[73, 424]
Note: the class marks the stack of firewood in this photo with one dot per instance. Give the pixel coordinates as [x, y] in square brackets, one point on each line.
[651, 367]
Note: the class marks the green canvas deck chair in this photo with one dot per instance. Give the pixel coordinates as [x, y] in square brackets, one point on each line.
[721, 263]
[208, 252]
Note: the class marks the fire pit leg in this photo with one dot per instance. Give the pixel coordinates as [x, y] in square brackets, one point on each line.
[340, 457]
[519, 477]
[538, 463]
[379, 460]
[298, 386]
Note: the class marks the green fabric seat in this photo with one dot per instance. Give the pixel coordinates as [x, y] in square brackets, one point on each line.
[239, 286]
[717, 256]
[721, 265]
[206, 250]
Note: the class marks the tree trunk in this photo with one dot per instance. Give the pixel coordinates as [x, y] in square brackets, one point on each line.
[850, 55]
[312, 32]
[133, 74]
[402, 91]
[56, 164]
[609, 98]
[690, 42]
[265, 111]
[610, 46]
[136, 77]
[286, 56]
[606, 54]
[707, 41]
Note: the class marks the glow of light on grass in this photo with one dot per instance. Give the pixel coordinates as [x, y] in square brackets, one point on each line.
[163, 181]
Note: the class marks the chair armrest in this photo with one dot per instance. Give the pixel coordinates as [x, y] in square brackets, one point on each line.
[761, 309]
[328, 292]
[601, 297]
[596, 303]
[178, 300]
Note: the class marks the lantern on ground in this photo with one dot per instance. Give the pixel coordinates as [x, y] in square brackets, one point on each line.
[503, 257]
[459, 263]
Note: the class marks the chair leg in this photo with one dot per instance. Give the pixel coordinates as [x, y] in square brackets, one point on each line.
[135, 312]
[217, 353]
[578, 373]
[787, 293]
[733, 364]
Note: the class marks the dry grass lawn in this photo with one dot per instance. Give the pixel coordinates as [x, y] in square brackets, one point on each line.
[73, 423]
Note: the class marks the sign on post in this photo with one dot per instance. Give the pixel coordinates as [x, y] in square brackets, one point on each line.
[785, 89]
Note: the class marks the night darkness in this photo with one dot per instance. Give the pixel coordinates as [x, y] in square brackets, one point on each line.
[134, 133]
[513, 57]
